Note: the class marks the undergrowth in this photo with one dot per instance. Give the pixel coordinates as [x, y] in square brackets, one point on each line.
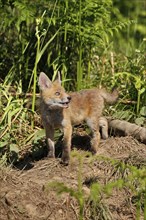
[92, 203]
[77, 39]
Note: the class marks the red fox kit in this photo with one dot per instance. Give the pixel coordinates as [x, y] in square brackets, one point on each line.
[62, 110]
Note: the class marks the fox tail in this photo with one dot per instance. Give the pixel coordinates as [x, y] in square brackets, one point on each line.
[110, 98]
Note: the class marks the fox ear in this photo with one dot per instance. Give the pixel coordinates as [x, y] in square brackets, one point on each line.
[44, 82]
[58, 78]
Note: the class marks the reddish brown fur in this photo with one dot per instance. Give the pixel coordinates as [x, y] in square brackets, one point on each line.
[58, 111]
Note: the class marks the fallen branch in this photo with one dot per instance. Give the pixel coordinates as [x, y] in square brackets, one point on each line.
[125, 128]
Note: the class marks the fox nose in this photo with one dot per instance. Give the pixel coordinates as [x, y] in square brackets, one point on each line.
[69, 98]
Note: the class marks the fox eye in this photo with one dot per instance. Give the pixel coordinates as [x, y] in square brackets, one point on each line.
[57, 93]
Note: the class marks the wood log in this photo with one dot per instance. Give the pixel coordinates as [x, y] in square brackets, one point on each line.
[125, 128]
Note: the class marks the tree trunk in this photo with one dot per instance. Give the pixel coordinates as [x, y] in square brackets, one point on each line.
[125, 128]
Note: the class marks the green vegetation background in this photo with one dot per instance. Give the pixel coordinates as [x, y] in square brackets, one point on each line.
[91, 42]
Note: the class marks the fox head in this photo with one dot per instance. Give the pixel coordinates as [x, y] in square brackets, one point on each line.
[52, 93]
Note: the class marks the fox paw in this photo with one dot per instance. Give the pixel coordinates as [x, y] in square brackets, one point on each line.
[94, 151]
[51, 155]
[65, 163]
[65, 160]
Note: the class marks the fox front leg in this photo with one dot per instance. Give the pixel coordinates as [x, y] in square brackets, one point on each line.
[66, 144]
[50, 141]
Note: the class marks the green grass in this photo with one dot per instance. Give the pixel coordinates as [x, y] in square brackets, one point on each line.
[125, 176]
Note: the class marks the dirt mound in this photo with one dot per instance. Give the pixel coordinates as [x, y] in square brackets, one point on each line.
[30, 194]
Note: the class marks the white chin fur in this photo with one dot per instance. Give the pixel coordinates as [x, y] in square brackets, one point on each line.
[58, 106]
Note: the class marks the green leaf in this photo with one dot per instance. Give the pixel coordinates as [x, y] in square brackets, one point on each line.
[3, 159]
[142, 91]
[39, 134]
[14, 147]
[46, 45]
[95, 190]
[123, 115]
[3, 144]
[138, 83]
[140, 121]
[11, 114]
[143, 111]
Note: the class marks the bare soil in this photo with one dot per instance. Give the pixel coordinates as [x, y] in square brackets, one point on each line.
[25, 192]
